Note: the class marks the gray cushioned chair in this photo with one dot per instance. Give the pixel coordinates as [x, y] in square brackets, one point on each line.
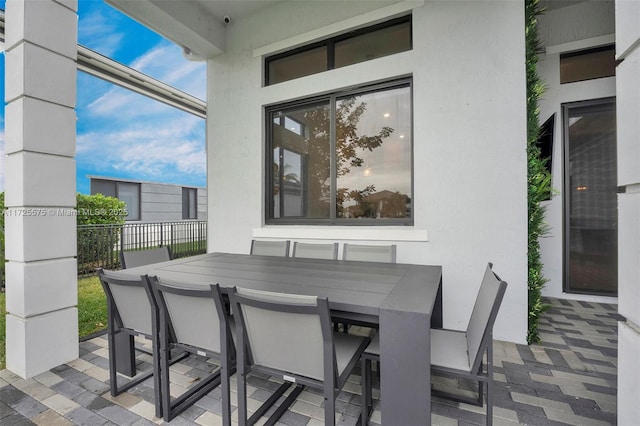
[270, 248]
[130, 313]
[457, 353]
[195, 321]
[131, 259]
[365, 253]
[290, 336]
[315, 251]
[369, 253]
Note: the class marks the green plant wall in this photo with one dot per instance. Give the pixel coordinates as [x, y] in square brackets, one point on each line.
[538, 178]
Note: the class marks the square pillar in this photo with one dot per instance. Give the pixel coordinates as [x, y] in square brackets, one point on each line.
[40, 224]
[628, 119]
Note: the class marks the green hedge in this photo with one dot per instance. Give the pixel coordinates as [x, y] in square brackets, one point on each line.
[538, 178]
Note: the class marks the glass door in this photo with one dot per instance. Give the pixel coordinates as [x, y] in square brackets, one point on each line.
[590, 198]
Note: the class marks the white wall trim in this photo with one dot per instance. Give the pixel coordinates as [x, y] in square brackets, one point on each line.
[581, 44]
[365, 233]
[365, 19]
[632, 189]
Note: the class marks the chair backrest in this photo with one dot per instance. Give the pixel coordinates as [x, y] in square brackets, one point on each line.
[131, 259]
[128, 302]
[369, 253]
[196, 317]
[270, 248]
[315, 251]
[285, 332]
[484, 315]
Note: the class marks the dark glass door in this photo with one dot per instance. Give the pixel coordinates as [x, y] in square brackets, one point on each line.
[591, 215]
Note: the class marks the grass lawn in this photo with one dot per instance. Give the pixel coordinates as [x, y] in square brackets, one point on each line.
[92, 311]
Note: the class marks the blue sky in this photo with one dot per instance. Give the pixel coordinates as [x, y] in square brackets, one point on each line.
[122, 134]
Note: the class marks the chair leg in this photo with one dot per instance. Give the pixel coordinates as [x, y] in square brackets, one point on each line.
[329, 407]
[490, 382]
[112, 362]
[366, 391]
[165, 382]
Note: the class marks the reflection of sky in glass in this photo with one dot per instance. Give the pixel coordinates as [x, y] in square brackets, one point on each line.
[387, 167]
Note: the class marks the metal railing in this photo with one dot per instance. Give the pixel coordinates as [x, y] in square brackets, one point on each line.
[99, 246]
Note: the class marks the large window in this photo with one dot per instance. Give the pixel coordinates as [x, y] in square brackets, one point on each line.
[129, 192]
[344, 158]
[357, 46]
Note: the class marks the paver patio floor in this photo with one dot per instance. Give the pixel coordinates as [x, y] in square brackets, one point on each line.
[569, 378]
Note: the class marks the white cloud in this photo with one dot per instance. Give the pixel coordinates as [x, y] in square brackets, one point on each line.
[166, 63]
[99, 33]
[124, 134]
[162, 150]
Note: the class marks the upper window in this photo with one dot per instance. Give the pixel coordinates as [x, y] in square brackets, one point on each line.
[344, 158]
[129, 192]
[347, 49]
[189, 203]
[588, 64]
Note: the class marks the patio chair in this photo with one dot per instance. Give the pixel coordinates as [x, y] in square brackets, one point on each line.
[131, 259]
[130, 313]
[270, 248]
[369, 253]
[365, 253]
[456, 353]
[290, 336]
[195, 321]
[315, 251]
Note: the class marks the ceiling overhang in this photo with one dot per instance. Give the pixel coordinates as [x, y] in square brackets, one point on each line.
[186, 23]
[198, 26]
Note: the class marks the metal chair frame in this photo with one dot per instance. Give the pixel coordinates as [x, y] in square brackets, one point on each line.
[133, 258]
[220, 377]
[332, 382]
[476, 372]
[315, 251]
[119, 336]
[260, 248]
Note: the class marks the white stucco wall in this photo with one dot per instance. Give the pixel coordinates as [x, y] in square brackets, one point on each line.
[468, 74]
[582, 26]
[628, 122]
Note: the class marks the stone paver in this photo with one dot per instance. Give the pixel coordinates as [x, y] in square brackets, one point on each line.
[569, 378]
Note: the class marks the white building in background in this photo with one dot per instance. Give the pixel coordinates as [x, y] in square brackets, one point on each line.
[154, 201]
[337, 101]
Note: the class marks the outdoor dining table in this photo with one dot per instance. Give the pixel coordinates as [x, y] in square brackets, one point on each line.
[404, 300]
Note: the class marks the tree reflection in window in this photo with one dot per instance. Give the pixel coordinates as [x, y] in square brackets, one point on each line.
[372, 163]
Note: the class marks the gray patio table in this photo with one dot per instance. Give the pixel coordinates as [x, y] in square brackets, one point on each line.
[403, 299]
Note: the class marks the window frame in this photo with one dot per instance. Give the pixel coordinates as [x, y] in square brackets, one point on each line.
[585, 52]
[116, 187]
[331, 98]
[329, 44]
[185, 213]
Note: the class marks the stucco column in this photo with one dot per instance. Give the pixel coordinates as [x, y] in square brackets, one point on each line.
[40, 95]
[628, 122]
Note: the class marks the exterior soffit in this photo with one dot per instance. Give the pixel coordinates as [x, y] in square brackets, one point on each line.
[198, 26]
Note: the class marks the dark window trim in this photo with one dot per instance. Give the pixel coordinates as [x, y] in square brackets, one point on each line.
[137, 184]
[331, 99]
[329, 43]
[185, 214]
[566, 220]
[588, 51]
[116, 187]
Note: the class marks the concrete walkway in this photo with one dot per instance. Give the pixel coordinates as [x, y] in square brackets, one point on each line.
[569, 378]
